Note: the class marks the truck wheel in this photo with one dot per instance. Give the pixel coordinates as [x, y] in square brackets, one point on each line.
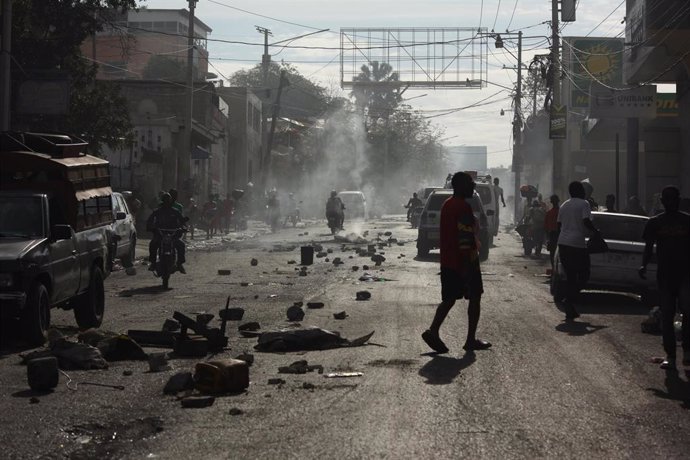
[128, 260]
[484, 250]
[35, 317]
[90, 306]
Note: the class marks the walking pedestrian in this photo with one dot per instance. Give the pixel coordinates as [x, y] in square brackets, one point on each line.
[670, 231]
[574, 220]
[460, 273]
[536, 219]
[551, 227]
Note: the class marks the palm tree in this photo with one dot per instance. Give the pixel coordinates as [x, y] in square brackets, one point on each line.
[376, 90]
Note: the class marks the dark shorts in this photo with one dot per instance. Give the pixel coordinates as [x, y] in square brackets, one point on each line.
[456, 286]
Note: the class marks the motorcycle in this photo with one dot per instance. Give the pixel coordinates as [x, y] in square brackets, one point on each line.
[334, 223]
[167, 256]
[415, 215]
[293, 217]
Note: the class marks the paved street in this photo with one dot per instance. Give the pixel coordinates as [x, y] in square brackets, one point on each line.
[546, 389]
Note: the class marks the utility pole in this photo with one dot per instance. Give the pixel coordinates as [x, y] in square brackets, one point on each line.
[184, 154]
[266, 58]
[274, 119]
[517, 130]
[5, 75]
[557, 172]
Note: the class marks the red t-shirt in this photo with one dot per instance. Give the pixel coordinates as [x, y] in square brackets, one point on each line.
[459, 242]
[551, 220]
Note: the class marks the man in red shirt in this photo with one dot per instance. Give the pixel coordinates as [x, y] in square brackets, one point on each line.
[461, 276]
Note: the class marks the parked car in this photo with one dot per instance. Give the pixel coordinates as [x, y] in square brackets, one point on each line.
[615, 270]
[487, 193]
[55, 215]
[428, 233]
[355, 204]
[123, 233]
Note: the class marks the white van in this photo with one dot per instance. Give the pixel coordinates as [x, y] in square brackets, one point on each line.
[355, 204]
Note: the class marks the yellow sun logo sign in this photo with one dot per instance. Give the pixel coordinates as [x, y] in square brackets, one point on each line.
[601, 61]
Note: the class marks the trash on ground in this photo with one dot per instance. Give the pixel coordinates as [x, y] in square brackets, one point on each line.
[171, 325]
[74, 355]
[202, 319]
[351, 238]
[332, 375]
[121, 348]
[215, 337]
[300, 367]
[363, 295]
[250, 326]
[310, 338]
[182, 381]
[198, 402]
[368, 277]
[221, 376]
[158, 362]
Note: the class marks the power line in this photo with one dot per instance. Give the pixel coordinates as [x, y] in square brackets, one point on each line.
[512, 15]
[606, 18]
[496, 17]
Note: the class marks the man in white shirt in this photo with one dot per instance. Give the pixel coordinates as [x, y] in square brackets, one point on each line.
[574, 223]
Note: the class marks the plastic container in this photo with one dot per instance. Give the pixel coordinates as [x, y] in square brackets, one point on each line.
[307, 253]
[223, 376]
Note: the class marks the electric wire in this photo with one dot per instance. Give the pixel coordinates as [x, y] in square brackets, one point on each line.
[605, 19]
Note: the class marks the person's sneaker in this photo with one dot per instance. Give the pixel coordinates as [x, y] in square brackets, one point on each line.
[668, 364]
[181, 269]
[434, 342]
[477, 344]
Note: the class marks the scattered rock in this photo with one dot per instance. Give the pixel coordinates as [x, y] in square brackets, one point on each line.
[298, 303]
[329, 251]
[254, 262]
[378, 259]
[34, 400]
[246, 357]
[365, 267]
[302, 273]
[158, 362]
[235, 411]
[320, 254]
[308, 386]
[276, 381]
[202, 319]
[327, 260]
[244, 284]
[170, 325]
[127, 373]
[300, 367]
[355, 268]
[337, 261]
[363, 295]
[224, 271]
[250, 326]
[42, 373]
[340, 315]
[295, 313]
[198, 402]
[179, 382]
[232, 314]
[291, 262]
[315, 304]
[387, 233]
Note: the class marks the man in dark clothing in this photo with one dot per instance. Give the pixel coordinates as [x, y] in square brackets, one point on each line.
[169, 218]
[461, 276]
[413, 202]
[670, 231]
[610, 203]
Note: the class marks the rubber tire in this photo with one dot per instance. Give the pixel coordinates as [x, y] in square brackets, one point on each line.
[484, 250]
[128, 260]
[35, 318]
[90, 306]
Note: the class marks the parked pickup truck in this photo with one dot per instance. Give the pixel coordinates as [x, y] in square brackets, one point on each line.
[55, 215]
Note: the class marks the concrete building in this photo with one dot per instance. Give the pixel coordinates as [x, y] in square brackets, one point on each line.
[124, 49]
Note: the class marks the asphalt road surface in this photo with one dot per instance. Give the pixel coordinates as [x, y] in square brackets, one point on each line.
[547, 388]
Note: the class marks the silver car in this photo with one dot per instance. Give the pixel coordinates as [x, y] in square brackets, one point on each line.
[429, 231]
[615, 270]
[123, 233]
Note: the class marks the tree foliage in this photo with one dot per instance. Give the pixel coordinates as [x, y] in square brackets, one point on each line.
[46, 40]
[301, 98]
[377, 90]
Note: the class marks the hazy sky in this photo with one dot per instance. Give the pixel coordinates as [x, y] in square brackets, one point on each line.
[235, 20]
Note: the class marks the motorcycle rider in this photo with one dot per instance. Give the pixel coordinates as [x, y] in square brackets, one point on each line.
[293, 210]
[273, 209]
[414, 202]
[335, 208]
[166, 216]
